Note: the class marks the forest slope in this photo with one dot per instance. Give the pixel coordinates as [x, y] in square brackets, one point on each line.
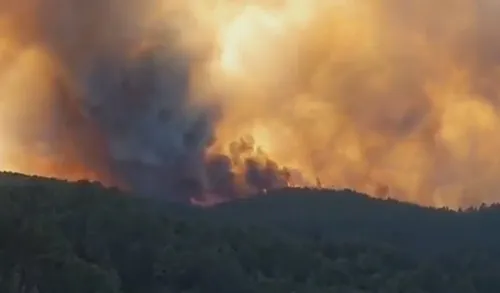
[80, 237]
[345, 215]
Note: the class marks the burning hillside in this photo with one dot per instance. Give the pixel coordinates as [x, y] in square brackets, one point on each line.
[224, 98]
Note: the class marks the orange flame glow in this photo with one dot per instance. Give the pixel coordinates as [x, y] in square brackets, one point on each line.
[366, 94]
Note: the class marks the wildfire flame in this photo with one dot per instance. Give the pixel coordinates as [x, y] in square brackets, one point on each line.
[382, 96]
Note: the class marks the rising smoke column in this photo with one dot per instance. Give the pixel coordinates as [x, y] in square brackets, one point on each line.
[118, 104]
[384, 96]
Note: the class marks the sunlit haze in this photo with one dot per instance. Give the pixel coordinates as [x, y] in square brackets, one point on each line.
[392, 98]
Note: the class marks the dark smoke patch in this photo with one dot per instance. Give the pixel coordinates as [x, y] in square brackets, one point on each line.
[221, 179]
[156, 135]
[266, 175]
[246, 170]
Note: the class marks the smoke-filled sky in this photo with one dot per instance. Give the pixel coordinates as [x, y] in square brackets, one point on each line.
[220, 98]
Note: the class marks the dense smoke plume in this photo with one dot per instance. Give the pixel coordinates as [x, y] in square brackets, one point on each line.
[216, 99]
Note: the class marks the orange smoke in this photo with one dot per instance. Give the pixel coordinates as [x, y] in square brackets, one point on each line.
[29, 85]
[366, 94]
[371, 95]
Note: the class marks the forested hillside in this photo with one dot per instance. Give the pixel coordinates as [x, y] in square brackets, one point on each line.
[349, 216]
[82, 238]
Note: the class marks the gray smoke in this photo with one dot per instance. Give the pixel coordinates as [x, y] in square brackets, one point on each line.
[156, 138]
[121, 102]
